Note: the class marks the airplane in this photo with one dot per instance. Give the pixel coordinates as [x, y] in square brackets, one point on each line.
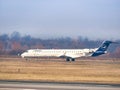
[69, 54]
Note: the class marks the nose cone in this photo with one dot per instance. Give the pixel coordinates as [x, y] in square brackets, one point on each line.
[22, 55]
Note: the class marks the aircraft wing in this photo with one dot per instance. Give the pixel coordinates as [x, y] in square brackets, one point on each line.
[65, 55]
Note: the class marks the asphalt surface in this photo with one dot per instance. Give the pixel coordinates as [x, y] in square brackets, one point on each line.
[26, 85]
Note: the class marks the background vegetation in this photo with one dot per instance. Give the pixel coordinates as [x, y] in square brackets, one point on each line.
[15, 44]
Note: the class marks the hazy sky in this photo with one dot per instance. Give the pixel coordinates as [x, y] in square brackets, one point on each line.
[61, 18]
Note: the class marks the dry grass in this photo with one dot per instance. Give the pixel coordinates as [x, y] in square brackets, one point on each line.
[101, 71]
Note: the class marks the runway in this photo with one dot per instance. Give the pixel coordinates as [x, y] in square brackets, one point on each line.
[11, 85]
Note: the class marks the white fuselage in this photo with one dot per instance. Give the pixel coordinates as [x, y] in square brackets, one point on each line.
[69, 54]
[72, 53]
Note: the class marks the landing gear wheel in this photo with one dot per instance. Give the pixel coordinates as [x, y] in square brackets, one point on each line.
[67, 59]
[72, 59]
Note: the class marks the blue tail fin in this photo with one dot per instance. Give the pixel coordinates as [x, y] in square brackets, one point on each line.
[102, 49]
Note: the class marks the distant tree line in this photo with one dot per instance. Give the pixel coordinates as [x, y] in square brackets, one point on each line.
[16, 44]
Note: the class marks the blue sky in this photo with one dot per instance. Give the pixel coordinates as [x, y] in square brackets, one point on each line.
[95, 19]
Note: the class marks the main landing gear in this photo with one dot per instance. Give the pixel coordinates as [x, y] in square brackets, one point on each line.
[70, 59]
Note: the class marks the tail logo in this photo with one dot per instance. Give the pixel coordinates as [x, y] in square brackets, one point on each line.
[102, 49]
[104, 46]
